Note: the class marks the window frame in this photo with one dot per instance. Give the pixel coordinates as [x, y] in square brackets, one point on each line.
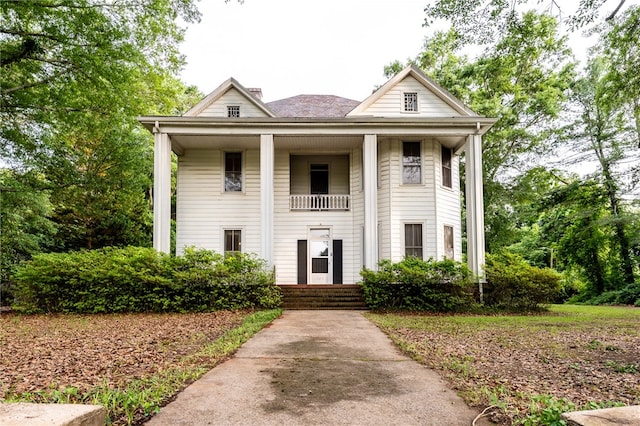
[446, 171]
[239, 238]
[407, 247]
[415, 101]
[225, 171]
[404, 163]
[449, 254]
[232, 110]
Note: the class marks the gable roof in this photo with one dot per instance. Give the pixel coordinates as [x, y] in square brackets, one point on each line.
[313, 106]
[220, 91]
[422, 78]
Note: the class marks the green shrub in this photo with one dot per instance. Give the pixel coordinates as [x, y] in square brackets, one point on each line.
[418, 285]
[135, 279]
[513, 284]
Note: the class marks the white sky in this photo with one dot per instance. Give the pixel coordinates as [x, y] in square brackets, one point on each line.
[293, 47]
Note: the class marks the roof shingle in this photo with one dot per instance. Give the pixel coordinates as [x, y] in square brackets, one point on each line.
[312, 106]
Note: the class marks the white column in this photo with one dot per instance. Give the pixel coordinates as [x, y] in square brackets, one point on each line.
[266, 197]
[370, 159]
[162, 193]
[475, 207]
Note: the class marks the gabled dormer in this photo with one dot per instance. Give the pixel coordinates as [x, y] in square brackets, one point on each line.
[231, 100]
[411, 94]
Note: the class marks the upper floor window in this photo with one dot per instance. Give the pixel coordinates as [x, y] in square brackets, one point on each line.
[446, 167]
[233, 171]
[410, 102]
[233, 111]
[232, 241]
[413, 240]
[411, 163]
[448, 242]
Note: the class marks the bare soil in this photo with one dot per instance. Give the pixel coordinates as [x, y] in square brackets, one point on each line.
[45, 352]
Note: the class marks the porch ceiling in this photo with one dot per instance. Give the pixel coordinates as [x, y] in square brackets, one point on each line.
[319, 143]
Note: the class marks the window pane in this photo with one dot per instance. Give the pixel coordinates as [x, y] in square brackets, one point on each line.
[319, 233]
[320, 265]
[448, 242]
[319, 178]
[232, 240]
[413, 240]
[232, 171]
[411, 162]
[411, 101]
[319, 248]
[446, 167]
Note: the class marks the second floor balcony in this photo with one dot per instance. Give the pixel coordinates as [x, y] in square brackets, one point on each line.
[320, 202]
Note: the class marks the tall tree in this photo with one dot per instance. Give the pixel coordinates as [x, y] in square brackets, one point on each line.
[74, 76]
[523, 80]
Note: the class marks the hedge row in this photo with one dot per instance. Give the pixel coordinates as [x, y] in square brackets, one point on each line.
[135, 279]
[446, 286]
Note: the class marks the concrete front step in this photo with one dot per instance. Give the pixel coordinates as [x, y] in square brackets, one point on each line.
[27, 414]
[604, 417]
[335, 296]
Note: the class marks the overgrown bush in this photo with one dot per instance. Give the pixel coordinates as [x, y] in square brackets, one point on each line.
[513, 284]
[135, 279]
[418, 285]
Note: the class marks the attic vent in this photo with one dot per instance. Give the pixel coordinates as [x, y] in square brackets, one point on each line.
[233, 111]
[410, 102]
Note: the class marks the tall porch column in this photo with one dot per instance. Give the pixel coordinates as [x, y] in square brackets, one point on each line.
[266, 198]
[370, 159]
[162, 193]
[475, 207]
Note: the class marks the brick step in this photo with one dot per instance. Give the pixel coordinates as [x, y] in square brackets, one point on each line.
[323, 297]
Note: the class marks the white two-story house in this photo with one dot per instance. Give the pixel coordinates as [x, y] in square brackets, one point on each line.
[322, 186]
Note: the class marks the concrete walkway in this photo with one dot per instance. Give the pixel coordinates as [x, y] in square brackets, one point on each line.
[318, 368]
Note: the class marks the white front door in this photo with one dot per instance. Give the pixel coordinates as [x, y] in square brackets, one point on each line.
[320, 257]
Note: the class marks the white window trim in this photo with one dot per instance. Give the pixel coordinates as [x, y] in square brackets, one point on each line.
[243, 171]
[444, 247]
[402, 97]
[243, 236]
[422, 169]
[233, 106]
[441, 169]
[403, 246]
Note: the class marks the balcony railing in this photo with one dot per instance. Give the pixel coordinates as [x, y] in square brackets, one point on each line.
[320, 202]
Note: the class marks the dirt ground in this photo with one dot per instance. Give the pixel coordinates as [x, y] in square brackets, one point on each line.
[57, 351]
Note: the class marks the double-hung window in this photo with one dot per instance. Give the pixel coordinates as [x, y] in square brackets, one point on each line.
[232, 171]
[413, 240]
[446, 167]
[411, 163]
[232, 241]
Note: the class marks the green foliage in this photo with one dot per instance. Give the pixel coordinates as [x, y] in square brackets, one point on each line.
[515, 285]
[419, 285]
[135, 279]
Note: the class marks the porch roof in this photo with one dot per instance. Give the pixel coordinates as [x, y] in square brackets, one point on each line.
[191, 132]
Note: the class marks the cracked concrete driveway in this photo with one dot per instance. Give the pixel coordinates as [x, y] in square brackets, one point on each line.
[318, 368]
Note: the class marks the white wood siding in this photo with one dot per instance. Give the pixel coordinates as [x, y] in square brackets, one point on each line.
[291, 226]
[232, 98]
[391, 103]
[204, 210]
[448, 204]
[338, 172]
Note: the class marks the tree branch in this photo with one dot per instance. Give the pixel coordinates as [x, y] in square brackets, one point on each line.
[617, 9]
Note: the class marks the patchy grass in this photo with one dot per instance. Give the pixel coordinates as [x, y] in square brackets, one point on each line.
[531, 367]
[131, 364]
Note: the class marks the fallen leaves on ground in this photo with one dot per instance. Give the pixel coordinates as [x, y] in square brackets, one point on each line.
[42, 352]
[598, 362]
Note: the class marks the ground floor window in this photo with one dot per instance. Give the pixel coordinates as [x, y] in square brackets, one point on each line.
[448, 242]
[413, 240]
[232, 241]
